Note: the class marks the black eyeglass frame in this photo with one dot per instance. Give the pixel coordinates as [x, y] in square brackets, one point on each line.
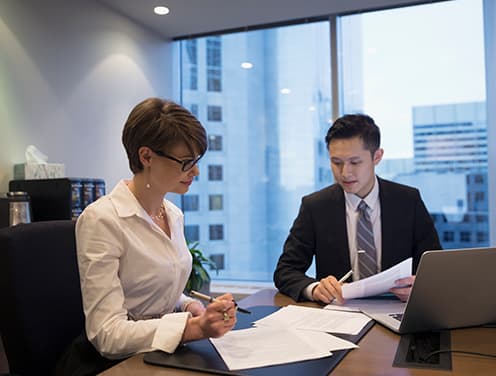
[186, 164]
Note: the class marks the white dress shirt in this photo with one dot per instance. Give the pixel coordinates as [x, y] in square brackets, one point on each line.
[374, 210]
[132, 275]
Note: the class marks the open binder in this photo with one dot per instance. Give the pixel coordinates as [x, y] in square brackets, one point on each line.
[202, 356]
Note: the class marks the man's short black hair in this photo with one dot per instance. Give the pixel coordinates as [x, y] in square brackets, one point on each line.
[357, 125]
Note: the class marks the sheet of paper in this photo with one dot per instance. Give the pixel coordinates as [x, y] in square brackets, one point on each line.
[344, 307]
[316, 319]
[265, 346]
[370, 306]
[378, 283]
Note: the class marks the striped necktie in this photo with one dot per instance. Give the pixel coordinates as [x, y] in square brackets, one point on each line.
[365, 241]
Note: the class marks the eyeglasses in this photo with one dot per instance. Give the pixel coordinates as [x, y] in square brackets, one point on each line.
[186, 164]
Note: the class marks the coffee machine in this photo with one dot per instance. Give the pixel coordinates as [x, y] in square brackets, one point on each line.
[15, 208]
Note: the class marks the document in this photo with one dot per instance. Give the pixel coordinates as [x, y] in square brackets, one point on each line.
[378, 283]
[315, 319]
[267, 345]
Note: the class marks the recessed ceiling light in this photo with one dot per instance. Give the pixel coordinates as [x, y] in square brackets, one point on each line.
[311, 108]
[285, 91]
[161, 10]
[246, 65]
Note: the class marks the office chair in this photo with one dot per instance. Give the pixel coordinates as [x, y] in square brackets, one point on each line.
[41, 308]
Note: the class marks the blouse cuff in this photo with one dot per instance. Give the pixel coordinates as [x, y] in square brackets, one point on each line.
[170, 331]
[183, 302]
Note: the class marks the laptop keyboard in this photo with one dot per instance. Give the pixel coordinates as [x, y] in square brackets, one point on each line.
[397, 316]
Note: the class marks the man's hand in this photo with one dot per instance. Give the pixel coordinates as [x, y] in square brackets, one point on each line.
[327, 290]
[403, 287]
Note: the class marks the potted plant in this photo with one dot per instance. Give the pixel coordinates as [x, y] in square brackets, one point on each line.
[199, 279]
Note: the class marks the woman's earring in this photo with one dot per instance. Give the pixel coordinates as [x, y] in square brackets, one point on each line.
[148, 186]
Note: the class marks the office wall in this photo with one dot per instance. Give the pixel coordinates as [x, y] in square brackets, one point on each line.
[70, 71]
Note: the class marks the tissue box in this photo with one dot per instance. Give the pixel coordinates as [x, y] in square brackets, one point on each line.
[38, 171]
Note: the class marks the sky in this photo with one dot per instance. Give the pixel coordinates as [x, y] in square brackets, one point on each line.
[422, 55]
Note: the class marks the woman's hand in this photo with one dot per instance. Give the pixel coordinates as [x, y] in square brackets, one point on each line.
[218, 318]
[195, 307]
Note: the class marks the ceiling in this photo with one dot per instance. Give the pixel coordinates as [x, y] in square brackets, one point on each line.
[194, 17]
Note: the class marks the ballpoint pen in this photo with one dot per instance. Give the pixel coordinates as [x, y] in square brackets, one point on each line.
[346, 276]
[211, 299]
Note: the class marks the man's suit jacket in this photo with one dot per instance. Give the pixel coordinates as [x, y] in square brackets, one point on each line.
[320, 231]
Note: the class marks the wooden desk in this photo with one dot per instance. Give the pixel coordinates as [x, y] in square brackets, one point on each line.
[374, 357]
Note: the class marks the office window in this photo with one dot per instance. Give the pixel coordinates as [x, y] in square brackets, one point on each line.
[443, 128]
[214, 113]
[214, 142]
[190, 202]
[216, 232]
[278, 113]
[214, 172]
[215, 202]
[214, 64]
[271, 155]
[192, 233]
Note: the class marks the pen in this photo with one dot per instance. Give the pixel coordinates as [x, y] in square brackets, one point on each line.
[211, 299]
[346, 276]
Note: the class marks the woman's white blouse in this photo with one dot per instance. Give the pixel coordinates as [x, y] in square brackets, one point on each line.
[132, 275]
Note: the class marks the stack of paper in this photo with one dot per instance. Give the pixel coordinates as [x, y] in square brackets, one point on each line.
[291, 334]
[316, 319]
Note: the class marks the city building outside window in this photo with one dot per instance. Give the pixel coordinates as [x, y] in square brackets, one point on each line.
[194, 109]
[482, 237]
[214, 64]
[215, 202]
[425, 88]
[214, 172]
[466, 236]
[448, 236]
[216, 232]
[192, 233]
[190, 202]
[191, 56]
[214, 142]
[214, 113]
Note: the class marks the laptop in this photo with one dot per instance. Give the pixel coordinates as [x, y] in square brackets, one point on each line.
[452, 289]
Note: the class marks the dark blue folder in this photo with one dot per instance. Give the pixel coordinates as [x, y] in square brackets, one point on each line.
[202, 356]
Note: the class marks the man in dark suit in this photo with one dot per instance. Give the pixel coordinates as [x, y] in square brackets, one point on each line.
[327, 225]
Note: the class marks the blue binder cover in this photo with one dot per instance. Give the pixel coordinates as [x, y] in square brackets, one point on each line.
[202, 356]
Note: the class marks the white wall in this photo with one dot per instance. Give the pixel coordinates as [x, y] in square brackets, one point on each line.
[70, 72]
